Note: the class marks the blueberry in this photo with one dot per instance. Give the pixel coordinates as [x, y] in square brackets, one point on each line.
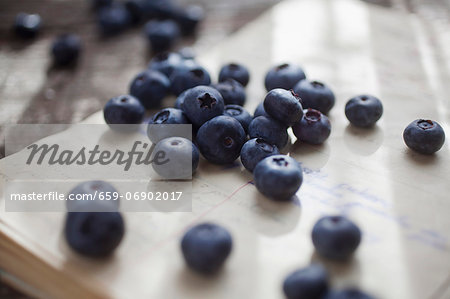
[236, 72]
[189, 18]
[165, 62]
[157, 129]
[94, 234]
[134, 8]
[206, 247]
[170, 116]
[220, 139]
[240, 114]
[187, 76]
[187, 53]
[202, 103]
[260, 111]
[336, 237]
[284, 106]
[150, 87]
[121, 110]
[233, 92]
[268, 129]
[284, 76]
[315, 95]
[278, 177]
[179, 102]
[66, 49]
[96, 4]
[158, 9]
[162, 35]
[90, 193]
[180, 158]
[363, 111]
[27, 25]
[424, 136]
[351, 293]
[313, 128]
[113, 19]
[255, 150]
[307, 283]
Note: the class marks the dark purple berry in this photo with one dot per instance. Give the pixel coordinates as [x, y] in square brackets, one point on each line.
[313, 128]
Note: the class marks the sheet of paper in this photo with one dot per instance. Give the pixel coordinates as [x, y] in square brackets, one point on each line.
[399, 199]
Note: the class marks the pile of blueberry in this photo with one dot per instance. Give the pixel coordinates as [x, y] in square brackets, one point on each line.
[166, 24]
[224, 131]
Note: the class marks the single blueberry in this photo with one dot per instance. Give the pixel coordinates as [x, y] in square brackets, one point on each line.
[94, 234]
[113, 19]
[284, 106]
[260, 111]
[363, 111]
[165, 62]
[236, 72]
[313, 128]
[240, 114]
[270, 130]
[123, 110]
[169, 116]
[150, 87]
[162, 35]
[206, 247]
[336, 237]
[160, 126]
[315, 95]
[220, 139]
[202, 103]
[255, 150]
[278, 177]
[424, 136]
[233, 92]
[350, 293]
[188, 75]
[90, 195]
[180, 158]
[189, 18]
[66, 49]
[135, 10]
[284, 76]
[308, 283]
[27, 25]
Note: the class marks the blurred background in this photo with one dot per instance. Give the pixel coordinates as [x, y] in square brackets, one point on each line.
[32, 91]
